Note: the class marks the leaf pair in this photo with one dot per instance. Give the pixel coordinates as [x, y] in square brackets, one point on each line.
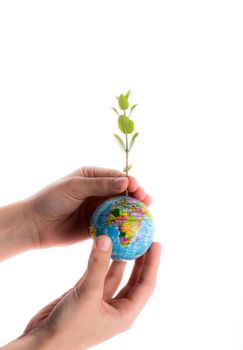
[123, 101]
[132, 108]
[121, 143]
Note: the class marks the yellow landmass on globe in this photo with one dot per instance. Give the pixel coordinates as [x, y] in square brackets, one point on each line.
[92, 232]
[127, 218]
[127, 221]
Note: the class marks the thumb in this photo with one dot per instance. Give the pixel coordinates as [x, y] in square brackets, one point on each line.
[97, 266]
[103, 186]
[96, 186]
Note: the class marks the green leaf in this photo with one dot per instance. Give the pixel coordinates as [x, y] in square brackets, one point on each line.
[132, 108]
[125, 124]
[128, 94]
[120, 142]
[115, 110]
[123, 102]
[132, 141]
[127, 168]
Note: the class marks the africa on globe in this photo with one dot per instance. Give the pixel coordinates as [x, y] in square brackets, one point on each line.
[128, 223]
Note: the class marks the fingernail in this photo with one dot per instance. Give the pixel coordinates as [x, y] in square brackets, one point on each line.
[118, 182]
[103, 243]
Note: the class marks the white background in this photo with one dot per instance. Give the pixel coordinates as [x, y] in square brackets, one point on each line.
[61, 65]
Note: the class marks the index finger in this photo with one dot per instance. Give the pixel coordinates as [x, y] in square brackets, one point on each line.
[139, 294]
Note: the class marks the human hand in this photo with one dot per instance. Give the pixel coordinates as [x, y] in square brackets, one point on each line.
[61, 212]
[88, 314]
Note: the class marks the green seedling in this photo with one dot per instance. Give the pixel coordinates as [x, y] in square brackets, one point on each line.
[126, 126]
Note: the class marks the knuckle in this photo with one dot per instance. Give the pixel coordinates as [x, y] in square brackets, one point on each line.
[72, 183]
[89, 293]
[86, 171]
[127, 324]
[97, 262]
[126, 321]
[148, 286]
[73, 187]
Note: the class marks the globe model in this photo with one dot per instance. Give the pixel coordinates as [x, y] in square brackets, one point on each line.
[128, 223]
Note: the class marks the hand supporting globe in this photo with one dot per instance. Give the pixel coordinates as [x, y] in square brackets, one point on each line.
[128, 223]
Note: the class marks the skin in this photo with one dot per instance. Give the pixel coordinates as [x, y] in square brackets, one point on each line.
[90, 312]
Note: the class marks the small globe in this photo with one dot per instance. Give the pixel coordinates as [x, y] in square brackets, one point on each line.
[128, 223]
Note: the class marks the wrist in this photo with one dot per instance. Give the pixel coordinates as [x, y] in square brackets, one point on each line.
[17, 231]
[28, 342]
[43, 340]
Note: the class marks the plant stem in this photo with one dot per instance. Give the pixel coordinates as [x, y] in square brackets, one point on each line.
[127, 151]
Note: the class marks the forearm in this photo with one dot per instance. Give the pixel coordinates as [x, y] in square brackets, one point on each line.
[15, 229]
[30, 342]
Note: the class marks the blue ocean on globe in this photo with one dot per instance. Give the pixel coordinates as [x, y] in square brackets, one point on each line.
[129, 224]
